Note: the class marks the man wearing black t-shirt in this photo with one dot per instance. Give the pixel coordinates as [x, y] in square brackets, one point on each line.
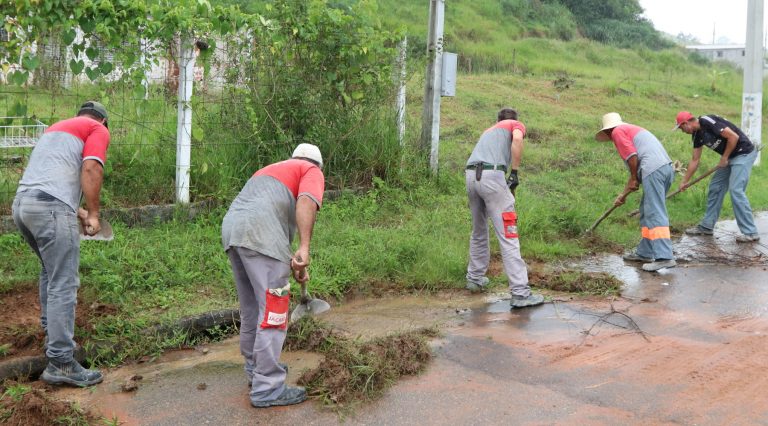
[737, 155]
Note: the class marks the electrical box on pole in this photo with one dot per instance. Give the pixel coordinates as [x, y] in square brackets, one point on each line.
[448, 81]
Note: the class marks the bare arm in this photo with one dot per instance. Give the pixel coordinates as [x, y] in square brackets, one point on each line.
[91, 178]
[692, 166]
[732, 139]
[633, 184]
[517, 148]
[306, 213]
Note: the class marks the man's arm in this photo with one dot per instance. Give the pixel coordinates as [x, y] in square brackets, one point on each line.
[732, 139]
[306, 213]
[633, 184]
[692, 166]
[91, 178]
[517, 148]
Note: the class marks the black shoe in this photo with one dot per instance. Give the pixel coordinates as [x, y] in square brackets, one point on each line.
[291, 395]
[71, 373]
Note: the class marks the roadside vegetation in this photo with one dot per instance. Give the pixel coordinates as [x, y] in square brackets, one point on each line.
[406, 228]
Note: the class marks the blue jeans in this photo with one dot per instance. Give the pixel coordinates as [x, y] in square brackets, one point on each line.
[50, 228]
[733, 178]
[654, 220]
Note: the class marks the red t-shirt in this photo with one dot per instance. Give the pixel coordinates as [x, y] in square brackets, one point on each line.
[623, 137]
[94, 135]
[299, 176]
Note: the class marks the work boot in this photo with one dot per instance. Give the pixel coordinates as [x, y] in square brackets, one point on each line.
[634, 257]
[250, 376]
[71, 373]
[699, 230]
[476, 287]
[659, 264]
[525, 301]
[291, 395]
[747, 238]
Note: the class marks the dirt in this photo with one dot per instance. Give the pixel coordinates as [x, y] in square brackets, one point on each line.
[37, 407]
[20, 330]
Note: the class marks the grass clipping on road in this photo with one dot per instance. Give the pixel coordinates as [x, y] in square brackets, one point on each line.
[597, 283]
[355, 371]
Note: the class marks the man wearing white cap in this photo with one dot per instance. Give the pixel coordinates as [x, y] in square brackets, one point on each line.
[737, 155]
[649, 164]
[257, 232]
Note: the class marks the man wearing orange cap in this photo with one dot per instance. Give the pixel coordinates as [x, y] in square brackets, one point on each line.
[737, 155]
[650, 165]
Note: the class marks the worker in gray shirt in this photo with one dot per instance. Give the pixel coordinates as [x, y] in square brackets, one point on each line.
[491, 196]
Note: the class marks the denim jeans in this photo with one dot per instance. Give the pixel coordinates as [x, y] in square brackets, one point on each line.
[734, 179]
[50, 228]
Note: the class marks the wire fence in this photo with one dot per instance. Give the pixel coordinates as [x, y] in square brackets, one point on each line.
[236, 125]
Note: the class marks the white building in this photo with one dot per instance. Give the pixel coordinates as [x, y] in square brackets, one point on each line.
[733, 53]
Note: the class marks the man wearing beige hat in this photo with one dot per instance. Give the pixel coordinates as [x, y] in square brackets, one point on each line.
[737, 155]
[649, 165]
[276, 202]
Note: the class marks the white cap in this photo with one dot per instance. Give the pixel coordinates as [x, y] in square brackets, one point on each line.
[307, 150]
[610, 120]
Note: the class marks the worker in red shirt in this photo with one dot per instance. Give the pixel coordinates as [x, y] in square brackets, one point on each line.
[257, 231]
[66, 163]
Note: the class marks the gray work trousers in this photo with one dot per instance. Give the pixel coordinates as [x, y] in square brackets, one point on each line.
[734, 179]
[255, 273]
[489, 197]
[50, 227]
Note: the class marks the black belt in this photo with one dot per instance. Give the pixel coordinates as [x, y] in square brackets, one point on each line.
[486, 166]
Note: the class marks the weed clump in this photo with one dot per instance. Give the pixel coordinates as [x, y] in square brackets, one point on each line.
[353, 370]
[596, 283]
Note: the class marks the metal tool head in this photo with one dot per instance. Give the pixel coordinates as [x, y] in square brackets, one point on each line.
[308, 305]
[104, 234]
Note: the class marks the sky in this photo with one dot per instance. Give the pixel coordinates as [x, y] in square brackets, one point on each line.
[699, 17]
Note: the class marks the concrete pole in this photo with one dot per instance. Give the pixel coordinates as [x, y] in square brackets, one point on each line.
[186, 62]
[752, 97]
[430, 128]
[401, 59]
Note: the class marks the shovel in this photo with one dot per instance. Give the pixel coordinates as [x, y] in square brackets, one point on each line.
[308, 305]
[104, 234]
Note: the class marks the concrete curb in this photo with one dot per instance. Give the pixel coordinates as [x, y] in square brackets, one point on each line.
[30, 367]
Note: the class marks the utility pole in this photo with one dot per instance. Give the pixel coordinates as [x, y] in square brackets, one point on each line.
[752, 97]
[430, 128]
[401, 62]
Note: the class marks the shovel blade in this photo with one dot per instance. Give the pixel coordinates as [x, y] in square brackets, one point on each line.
[309, 307]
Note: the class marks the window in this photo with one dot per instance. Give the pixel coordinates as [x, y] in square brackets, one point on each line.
[719, 53]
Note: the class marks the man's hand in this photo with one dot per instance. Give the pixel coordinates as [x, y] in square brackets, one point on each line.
[513, 181]
[299, 264]
[684, 185]
[82, 214]
[723, 162]
[633, 185]
[91, 224]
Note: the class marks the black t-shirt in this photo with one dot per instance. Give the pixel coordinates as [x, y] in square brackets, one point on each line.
[709, 135]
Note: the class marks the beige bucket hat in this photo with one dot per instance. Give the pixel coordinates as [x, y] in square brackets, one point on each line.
[610, 120]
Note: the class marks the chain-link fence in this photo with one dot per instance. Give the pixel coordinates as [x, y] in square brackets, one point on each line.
[248, 109]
